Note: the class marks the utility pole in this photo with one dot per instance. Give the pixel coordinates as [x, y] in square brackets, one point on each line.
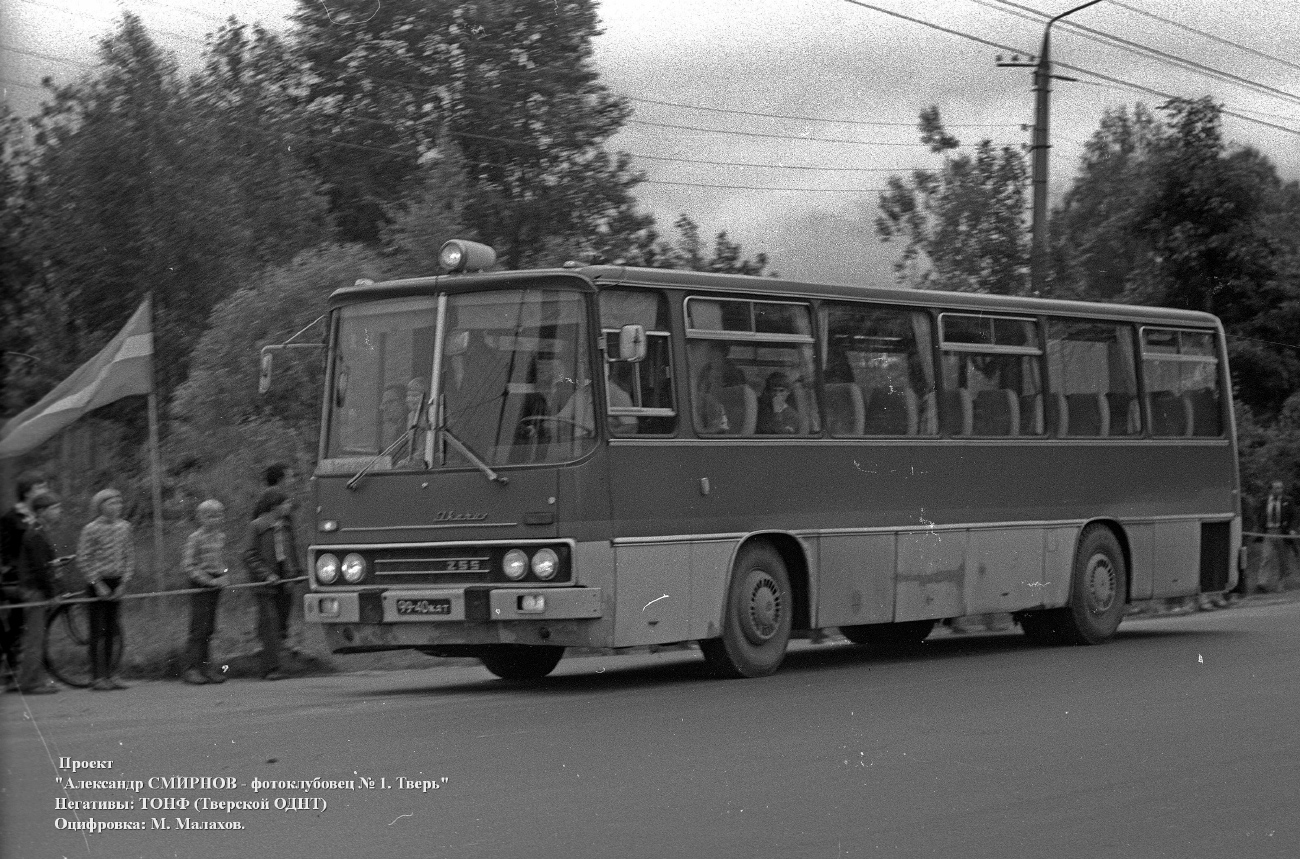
[1042, 121]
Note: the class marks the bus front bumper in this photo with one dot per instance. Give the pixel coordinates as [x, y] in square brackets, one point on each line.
[482, 604]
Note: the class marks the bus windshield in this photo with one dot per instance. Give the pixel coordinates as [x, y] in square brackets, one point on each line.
[515, 387]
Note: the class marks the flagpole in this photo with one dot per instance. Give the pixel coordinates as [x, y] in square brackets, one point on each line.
[155, 467]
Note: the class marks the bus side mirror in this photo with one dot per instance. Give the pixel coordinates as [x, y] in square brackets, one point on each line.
[264, 381]
[631, 343]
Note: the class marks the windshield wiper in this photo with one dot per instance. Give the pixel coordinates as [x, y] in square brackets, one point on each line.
[464, 450]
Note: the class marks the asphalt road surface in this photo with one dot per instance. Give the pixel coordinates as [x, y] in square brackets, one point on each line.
[1176, 739]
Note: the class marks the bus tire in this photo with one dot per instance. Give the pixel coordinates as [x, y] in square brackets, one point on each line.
[889, 636]
[520, 661]
[1098, 587]
[757, 616]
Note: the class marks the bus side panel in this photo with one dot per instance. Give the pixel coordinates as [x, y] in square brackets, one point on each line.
[1058, 561]
[1141, 543]
[653, 602]
[710, 578]
[1177, 558]
[855, 579]
[1005, 569]
[931, 575]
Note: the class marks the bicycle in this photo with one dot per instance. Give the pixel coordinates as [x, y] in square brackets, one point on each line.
[66, 648]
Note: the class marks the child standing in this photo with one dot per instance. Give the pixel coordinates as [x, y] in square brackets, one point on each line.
[106, 555]
[204, 563]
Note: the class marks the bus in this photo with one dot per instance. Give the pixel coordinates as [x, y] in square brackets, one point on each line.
[513, 463]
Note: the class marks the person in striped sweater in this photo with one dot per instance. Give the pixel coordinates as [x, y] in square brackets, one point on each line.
[106, 555]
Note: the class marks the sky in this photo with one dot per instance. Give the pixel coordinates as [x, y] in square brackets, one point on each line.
[822, 94]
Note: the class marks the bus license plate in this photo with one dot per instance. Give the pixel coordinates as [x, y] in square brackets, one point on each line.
[424, 606]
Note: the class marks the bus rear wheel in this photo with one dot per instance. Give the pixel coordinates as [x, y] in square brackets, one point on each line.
[889, 636]
[520, 661]
[1098, 587]
[757, 616]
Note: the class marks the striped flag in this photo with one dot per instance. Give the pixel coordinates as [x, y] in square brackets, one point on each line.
[123, 368]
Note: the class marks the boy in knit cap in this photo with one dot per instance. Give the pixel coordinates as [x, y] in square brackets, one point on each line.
[204, 563]
[106, 556]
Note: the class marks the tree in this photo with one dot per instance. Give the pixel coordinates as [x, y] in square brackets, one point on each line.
[218, 404]
[963, 226]
[1095, 248]
[1166, 213]
[509, 84]
[140, 184]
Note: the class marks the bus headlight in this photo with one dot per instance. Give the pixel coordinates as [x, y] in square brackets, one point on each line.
[327, 569]
[545, 564]
[354, 567]
[515, 564]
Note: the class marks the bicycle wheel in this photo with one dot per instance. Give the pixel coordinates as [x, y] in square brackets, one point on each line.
[67, 651]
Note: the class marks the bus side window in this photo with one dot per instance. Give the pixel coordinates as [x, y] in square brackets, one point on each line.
[1093, 378]
[992, 376]
[877, 374]
[638, 394]
[1180, 372]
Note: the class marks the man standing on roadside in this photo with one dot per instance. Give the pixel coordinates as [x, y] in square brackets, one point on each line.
[1276, 518]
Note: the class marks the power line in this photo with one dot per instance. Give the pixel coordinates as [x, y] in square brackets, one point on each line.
[761, 134]
[1080, 69]
[644, 100]
[1209, 36]
[47, 57]
[765, 188]
[1143, 50]
[773, 166]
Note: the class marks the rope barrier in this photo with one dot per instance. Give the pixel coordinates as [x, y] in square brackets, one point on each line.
[1270, 536]
[57, 601]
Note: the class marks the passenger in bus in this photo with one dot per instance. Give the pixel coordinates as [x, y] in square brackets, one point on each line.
[776, 414]
[561, 404]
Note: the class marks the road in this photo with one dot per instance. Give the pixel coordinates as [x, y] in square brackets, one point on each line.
[1176, 739]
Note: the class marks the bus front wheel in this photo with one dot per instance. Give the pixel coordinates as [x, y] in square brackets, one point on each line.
[520, 661]
[757, 618]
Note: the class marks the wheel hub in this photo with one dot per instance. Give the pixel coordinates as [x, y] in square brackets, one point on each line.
[762, 617]
[1102, 583]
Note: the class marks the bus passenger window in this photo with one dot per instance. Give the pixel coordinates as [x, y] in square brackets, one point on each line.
[992, 376]
[878, 377]
[1180, 371]
[751, 367]
[1093, 378]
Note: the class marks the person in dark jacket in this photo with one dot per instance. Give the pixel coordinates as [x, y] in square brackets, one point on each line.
[38, 581]
[13, 525]
[271, 558]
